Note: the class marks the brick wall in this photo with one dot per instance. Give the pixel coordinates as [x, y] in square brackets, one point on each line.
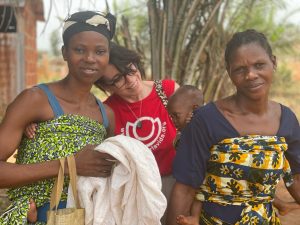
[30, 53]
[7, 69]
[18, 53]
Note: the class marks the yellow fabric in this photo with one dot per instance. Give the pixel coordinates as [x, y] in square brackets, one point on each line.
[244, 171]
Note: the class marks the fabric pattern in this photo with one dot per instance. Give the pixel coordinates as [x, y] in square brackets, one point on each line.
[160, 92]
[54, 139]
[100, 22]
[245, 171]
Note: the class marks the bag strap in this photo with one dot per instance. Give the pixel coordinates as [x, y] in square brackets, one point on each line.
[58, 186]
[73, 178]
[59, 182]
[160, 92]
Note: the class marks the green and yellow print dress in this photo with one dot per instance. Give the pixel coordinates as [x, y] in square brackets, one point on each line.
[56, 138]
[242, 172]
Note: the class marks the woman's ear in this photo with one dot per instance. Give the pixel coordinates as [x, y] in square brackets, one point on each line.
[64, 53]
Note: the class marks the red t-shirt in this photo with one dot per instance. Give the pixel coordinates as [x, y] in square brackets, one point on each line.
[157, 131]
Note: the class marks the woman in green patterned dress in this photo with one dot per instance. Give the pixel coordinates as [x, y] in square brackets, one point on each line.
[70, 121]
[233, 153]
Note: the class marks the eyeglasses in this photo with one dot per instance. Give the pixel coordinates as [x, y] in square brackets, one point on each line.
[120, 79]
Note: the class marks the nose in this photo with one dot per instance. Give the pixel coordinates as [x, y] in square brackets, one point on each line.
[251, 74]
[128, 77]
[90, 57]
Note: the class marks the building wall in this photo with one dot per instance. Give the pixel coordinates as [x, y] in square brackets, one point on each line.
[7, 69]
[18, 53]
[30, 54]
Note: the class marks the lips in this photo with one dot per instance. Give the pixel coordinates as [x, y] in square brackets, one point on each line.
[87, 70]
[254, 86]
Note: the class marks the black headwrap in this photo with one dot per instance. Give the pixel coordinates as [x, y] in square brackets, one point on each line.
[103, 23]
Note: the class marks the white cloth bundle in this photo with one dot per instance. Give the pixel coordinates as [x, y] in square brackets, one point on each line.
[132, 195]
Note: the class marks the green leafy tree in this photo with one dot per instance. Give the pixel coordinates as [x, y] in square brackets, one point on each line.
[55, 41]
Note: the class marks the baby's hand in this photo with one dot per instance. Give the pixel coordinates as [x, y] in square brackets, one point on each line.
[32, 212]
[189, 118]
[30, 130]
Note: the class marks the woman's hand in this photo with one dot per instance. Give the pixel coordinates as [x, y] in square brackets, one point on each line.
[93, 163]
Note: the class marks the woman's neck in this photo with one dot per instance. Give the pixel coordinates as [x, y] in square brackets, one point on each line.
[247, 105]
[74, 91]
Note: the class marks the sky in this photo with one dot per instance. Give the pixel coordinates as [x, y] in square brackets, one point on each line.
[60, 8]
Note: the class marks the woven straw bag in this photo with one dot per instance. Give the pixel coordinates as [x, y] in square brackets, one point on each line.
[67, 216]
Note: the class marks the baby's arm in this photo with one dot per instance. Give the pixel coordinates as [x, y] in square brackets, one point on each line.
[284, 207]
[32, 212]
[195, 215]
[189, 117]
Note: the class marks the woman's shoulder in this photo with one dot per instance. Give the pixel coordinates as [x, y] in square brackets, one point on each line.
[169, 86]
[31, 104]
[32, 95]
[207, 111]
[287, 113]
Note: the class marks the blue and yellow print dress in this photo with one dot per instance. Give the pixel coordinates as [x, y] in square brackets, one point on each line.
[244, 171]
[56, 138]
[236, 175]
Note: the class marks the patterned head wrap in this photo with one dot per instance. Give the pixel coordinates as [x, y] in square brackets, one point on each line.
[103, 23]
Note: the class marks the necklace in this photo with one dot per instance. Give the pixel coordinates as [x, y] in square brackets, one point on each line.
[139, 122]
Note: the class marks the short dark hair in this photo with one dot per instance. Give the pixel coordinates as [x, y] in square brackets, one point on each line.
[246, 37]
[121, 57]
[190, 93]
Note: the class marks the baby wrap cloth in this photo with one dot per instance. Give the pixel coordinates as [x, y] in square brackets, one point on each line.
[131, 196]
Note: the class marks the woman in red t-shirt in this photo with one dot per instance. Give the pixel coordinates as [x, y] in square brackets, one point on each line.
[139, 110]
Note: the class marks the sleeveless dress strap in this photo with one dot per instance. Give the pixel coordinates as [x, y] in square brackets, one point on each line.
[52, 100]
[103, 112]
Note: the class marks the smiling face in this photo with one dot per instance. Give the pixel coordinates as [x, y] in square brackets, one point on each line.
[123, 85]
[251, 70]
[87, 55]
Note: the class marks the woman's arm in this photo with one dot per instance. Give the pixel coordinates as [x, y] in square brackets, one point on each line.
[294, 189]
[31, 106]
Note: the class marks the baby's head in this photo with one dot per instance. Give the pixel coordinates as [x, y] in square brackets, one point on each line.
[182, 104]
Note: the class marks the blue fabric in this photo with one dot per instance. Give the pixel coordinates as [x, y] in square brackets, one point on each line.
[57, 110]
[208, 127]
[42, 211]
[103, 112]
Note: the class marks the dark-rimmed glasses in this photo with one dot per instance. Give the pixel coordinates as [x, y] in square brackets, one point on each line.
[120, 79]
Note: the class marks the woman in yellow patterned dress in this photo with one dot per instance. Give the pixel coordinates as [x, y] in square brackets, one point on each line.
[69, 117]
[235, 150]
